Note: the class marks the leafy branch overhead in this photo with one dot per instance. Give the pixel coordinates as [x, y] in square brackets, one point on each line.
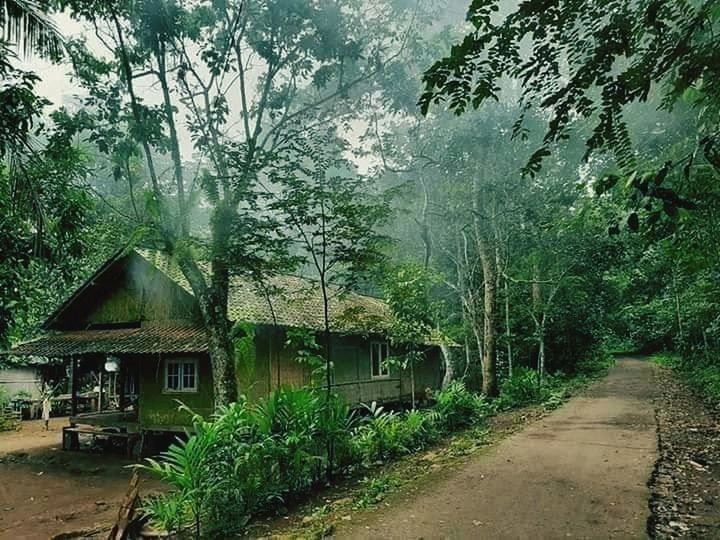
[592, 61]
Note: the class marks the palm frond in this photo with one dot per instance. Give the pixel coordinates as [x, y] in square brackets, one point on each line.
[27, 25]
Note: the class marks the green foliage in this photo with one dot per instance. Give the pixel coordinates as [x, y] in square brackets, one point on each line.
[523, 388]
[408, 292]
[243, 336]
[384, 435]
[665, 359]
[250, 456]
[595, 364]
[308, 353]
[185, 466]
[458, 407]
[614, 60]
[375, 490]
[702, 373]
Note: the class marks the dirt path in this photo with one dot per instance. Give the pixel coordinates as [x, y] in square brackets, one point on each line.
[581, 472]
[32, 436]
[45, 491]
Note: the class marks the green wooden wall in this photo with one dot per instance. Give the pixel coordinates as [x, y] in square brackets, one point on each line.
[159, 408]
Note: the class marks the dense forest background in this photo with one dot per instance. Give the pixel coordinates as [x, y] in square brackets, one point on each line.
[571, 207]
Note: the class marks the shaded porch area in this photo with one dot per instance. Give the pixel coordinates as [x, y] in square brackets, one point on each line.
[96, 376]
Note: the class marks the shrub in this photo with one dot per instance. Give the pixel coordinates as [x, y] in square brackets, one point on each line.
[251, 455]
[458, 407]
[523, 388]
[595, 364]
[384, 435]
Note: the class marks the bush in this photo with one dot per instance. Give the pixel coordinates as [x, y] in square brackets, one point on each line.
[595, 364]
[523, 388]
[702, 373]
[705, 376]
[384, 435]
[251, 455]
[458, 407]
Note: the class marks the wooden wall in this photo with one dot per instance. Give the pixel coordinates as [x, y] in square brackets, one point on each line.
[131, 291]
[275, 365]
[160, 408]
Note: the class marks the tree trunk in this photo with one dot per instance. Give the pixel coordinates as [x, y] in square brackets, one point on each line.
[212, 300]
[677, 307]
[412, 384]
[539, 319]
[508, 343]
[489, 376]
[327, 336]
[541, 350]
[222, 361]
[449, 375]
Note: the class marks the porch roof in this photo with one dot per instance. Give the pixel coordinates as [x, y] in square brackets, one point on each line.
[145, 340]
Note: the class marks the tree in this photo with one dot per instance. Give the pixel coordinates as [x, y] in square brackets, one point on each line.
[409, 293]
[26, 25]
[272, 67]
[334, 219]
[592, 60]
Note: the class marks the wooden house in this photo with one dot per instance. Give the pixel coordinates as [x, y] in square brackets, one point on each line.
[136, 323]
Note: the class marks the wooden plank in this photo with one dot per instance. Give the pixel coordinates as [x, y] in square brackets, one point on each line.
[127, 509]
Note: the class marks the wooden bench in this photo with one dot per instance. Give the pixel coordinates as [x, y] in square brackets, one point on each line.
[71, 437]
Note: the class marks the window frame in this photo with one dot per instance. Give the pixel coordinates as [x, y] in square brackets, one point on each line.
[181, 362]
[384, 369]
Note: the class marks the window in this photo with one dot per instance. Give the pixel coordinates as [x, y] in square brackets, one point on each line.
[181, 375]
[378, 360]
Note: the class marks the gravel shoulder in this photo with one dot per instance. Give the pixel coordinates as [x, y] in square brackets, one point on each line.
[685, 485]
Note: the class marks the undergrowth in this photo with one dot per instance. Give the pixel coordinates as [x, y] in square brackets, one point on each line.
[701, 373]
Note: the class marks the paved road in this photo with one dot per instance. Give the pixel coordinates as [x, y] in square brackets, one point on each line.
[580, 472]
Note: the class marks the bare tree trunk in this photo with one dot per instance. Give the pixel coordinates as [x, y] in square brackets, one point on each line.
[539, 319]
[449, 365]
[489, 376]
[487, 261]
[412, 384]
[677, 305]
[541, 350]
[508, 343]
[467, 356]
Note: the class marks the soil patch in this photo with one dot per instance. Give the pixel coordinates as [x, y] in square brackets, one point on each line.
[45, 491]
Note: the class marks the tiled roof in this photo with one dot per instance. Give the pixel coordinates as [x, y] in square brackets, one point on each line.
[145, 340]
[293, 301]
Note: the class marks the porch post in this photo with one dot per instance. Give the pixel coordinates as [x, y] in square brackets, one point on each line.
[121, 384]
[73, 385]
[101, 383]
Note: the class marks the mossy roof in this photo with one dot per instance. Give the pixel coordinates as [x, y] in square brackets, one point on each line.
[289, 301]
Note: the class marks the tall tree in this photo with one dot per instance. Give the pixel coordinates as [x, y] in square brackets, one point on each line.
[334, 219]
[271, 67]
